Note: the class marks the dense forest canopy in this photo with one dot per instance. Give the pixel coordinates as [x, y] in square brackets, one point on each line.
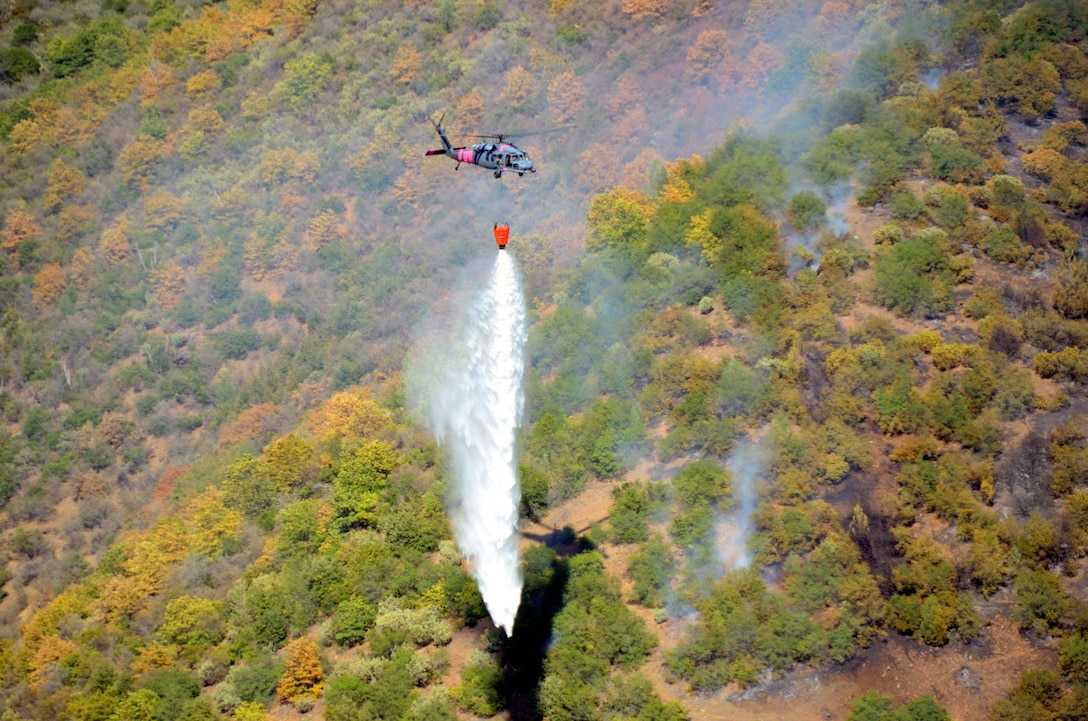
[808, 287]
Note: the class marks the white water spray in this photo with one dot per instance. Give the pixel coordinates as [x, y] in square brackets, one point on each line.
[475, 410]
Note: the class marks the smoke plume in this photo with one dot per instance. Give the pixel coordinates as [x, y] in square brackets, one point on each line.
[733, 531]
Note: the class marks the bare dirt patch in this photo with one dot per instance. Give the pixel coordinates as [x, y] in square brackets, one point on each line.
[966, 678]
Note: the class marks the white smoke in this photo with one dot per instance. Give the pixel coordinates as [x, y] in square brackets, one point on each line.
[475, 408]
[734, 529]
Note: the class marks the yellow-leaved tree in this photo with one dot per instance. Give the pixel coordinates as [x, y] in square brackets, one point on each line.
[640, 9]
[192, 624]
[114, 243]
[49, 284]
[628, 93]
[255, 105]
[65, 181]
[153, 79]
[138, 160]
[348, 414]
[80, 268]
[636, 174]
[407, 62]
[74, 220]
[704, 55]
[598, 167]
[676, 189]
[762, 61]
[566, 96]
[19, 226]
[202, 86]
[324, 228]
[520, 88]
[290, 462]
[148, 558]
[765, 16]
[470, 111]
[168, 281]
[163, 211]
[255, 422]
[206, 119]
[619, 219]
[284, 164]
[50, 652]
[256, 257]
[304, 675]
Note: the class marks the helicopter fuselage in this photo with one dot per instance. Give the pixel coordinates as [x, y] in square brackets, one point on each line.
[500, 157]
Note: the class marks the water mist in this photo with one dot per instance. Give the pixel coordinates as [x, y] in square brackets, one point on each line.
[475, 409]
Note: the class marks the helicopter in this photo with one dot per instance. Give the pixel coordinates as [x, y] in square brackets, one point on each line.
[499, 156]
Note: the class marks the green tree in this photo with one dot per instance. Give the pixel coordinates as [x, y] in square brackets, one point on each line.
[534, 491]
[746, 170]
[877, 706]
[1035, 697]
[247, 488]
[15, 63]
[303, 79]
[914, 279]
[263, 607]
[650, 569]
[360, 483]
[352, 620]
[192, 623]
[619, 220]
[480, 692]
[741, 240]
[1041, 605]
[138, 705]
[807, 210]
[256, 680]
[703, 483]
[632, 696]
[629, 513]
[173, 688]
[949, 160]
[66, 55]
[302, 528]
[1073, 657]
[385, 697]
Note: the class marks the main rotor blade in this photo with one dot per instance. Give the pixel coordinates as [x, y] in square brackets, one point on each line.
[506, 136]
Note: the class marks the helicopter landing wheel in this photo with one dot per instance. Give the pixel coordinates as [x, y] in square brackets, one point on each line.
[498, 173]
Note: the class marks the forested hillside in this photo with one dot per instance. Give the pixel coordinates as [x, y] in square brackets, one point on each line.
[806, 365]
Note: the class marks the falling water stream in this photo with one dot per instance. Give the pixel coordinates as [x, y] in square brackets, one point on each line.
[475, 412]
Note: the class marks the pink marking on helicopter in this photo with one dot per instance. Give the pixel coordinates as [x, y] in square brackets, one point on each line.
[465, 155]
[505, 148]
